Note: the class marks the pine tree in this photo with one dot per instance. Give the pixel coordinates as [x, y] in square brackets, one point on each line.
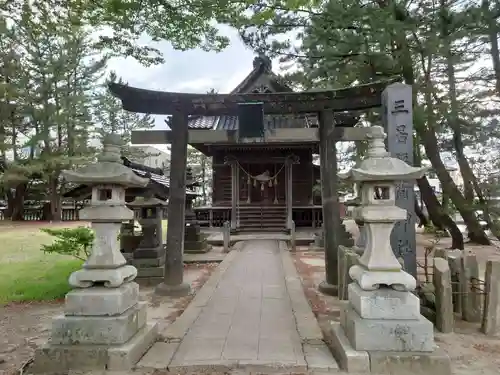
[109, 117]
[58, 70]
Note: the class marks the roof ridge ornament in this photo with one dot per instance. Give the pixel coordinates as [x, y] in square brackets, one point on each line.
[263, 61]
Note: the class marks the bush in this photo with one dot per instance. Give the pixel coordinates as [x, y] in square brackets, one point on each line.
[76, 242]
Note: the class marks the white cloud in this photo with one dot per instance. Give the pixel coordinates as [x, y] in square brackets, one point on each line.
[189, 71]
[202, 84]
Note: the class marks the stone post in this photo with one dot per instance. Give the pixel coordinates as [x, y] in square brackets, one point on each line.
[455, 264]
[347, 259]
[491, 317]
[330, 201]
[173, 281]
[289, 192]
[226, 234]
[469, 286]
[149, 256]
[104, 325]
[234, 195]
[382, 315]
[445, 318]
[397, 114]
[194, 241]
[293, 237]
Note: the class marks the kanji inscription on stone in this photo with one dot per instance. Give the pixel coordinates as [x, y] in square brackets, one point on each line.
[398, 124]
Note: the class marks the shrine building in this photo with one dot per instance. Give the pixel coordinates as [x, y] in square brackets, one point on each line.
[267, 184]
[261, 137]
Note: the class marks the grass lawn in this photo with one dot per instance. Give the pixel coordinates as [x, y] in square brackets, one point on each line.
[26, 273]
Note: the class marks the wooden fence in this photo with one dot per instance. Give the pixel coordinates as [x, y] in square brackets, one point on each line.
[36, 214]
[68, 214]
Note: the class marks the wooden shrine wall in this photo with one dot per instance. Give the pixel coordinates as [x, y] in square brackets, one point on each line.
[256, 161]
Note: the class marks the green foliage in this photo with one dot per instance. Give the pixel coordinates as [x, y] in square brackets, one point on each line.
[76, 242]
[119, 25]
[112, 118]
[36, 280]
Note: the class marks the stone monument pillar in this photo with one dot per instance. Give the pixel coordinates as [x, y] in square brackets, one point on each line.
[383, 315]
[104, 325]
[194, 241]
[149, 256]
[397, 119]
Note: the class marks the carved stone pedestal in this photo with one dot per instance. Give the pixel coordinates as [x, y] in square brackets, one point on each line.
[194, 241]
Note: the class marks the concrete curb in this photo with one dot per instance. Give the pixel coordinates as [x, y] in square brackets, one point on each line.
[176, 331]
[307, 325]
[316, 353]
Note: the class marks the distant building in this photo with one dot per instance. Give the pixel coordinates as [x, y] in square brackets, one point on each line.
[153, 158]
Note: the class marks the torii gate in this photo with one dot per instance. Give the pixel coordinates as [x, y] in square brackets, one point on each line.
[396, 102]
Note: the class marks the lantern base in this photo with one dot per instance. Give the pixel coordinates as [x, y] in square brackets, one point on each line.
[110, 278]
[388, 335]
[179, 290]
[373, 280]
[383, 303]
[328, 289]
[57, 359]
[378, 362]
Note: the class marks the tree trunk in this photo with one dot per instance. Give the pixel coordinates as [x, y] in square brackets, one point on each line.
[435, 210]
[453, 119]
[15, 202]
[493, 31]
[423, 221]
[55, 199]
[438, 217]
[476, 233]
[404, 56]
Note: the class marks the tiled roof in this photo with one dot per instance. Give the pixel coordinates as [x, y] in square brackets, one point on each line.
[203, 122]
[153, 176]
[270, 122]
[162, 180]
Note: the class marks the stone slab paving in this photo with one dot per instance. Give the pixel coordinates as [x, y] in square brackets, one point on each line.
[248, 321]
[303, 237]
[249, 316]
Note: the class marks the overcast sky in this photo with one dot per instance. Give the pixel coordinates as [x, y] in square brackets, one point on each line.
[190, 71]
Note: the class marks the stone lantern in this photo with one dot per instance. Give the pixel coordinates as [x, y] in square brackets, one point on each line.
[104, 324]
[149, 256]
[194, 241]
[383, 314]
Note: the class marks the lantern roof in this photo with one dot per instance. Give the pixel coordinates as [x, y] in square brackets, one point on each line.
[379, 165]
[149, 201]
[108, 169]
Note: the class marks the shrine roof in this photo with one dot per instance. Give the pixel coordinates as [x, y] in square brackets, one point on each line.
[263, 79]
[308, 120]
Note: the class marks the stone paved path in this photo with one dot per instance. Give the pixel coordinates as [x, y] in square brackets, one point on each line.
[249, 317]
